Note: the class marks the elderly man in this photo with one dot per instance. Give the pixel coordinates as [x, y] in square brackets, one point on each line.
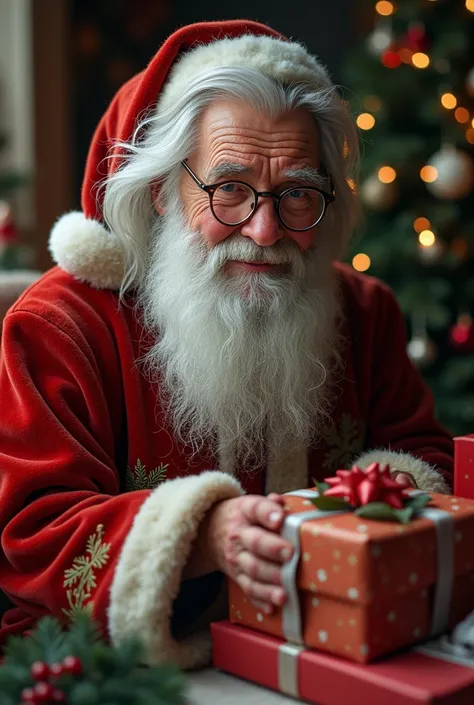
[198, 351]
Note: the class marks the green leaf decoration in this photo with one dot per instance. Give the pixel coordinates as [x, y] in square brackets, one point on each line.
[143, 479]
[321, 486]
[329, 504]
[404, 515]
[109, 676]
[384, 512]
[418, 502]
[377, 510]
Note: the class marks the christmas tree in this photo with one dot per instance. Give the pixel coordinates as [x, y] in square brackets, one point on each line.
[411, 87]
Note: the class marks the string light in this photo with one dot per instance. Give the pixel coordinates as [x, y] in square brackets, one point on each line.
[391, 59]
[461, 114]
[406, 55]
[472, 122]
[421, 224]
[372, 103]
[427, 238]
[420, 60]
[449, 101]
[387, 174]
[429, 174]
[470, 5]
[385, 8]
[361, 262]
[470, 135]
[365, 121]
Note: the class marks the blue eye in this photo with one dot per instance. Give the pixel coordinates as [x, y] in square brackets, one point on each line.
[296, 193]
[227, 188]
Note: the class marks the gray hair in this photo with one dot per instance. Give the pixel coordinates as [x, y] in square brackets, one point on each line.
[166, 137]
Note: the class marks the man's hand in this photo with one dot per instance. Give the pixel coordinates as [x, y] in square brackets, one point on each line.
[404, 478]
[243, 540]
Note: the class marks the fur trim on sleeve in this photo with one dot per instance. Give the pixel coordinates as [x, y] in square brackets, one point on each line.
[424, 475]
[148, 575]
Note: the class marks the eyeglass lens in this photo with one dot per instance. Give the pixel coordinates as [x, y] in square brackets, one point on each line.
[300, 208]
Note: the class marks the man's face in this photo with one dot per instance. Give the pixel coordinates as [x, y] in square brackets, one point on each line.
[263, 150]
[246, 314]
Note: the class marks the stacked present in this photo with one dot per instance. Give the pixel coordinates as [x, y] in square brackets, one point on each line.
[376, 569]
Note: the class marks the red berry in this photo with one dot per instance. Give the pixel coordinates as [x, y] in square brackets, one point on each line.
[56, 670]
[40, 671]
[42, 692]
[28, 695]
[58, 696]
[72, 665]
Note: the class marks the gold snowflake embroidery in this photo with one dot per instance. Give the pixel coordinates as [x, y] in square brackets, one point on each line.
[80, 579]
[344, 443]
[141, 479]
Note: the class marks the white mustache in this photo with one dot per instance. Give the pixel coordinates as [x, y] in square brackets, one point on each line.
[241, 249]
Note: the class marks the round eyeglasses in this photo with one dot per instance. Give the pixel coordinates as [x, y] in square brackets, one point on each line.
[234, 202]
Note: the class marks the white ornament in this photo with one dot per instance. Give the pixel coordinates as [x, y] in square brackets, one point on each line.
[377, 195]
[455, 170]
[421, 351]
[470, 82]
[380, 39]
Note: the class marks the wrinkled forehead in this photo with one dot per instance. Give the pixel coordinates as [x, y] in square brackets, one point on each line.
[235, 132]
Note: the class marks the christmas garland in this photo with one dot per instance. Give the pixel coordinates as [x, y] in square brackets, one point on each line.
[76, 667]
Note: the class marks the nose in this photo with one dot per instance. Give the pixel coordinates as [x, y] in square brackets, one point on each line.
[263, 228]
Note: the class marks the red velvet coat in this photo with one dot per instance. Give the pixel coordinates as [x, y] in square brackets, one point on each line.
[90, 513]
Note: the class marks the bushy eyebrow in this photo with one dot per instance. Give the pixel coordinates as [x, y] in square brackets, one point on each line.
[226, 170]
[308, 174]
[229, 170]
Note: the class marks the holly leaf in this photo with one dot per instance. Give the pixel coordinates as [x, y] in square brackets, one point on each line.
[329, 504]
[377, 510]
[320, 486]
[404, 515]
[418, 502]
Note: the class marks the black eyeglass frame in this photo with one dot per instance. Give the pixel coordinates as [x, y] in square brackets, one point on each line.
[210, 189]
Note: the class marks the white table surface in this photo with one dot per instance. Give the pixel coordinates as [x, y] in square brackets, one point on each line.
[212, 686]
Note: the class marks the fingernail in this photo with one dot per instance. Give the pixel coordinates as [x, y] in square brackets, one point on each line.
[285, 554]
[267, 609]
[278, 597]
[274, 517]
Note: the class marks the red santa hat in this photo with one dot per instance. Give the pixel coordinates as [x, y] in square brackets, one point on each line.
[79, 242]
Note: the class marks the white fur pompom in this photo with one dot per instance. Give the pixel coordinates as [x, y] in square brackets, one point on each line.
[87, 250]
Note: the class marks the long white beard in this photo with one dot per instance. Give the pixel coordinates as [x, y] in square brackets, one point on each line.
[243, 361]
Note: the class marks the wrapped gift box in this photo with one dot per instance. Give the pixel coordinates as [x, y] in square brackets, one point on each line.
[464, 466]
[411, 678]
[366, 588]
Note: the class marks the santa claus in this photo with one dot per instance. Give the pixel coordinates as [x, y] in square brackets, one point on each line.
[198, 350]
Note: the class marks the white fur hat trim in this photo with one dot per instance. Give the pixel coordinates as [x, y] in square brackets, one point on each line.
[87, 250]
[285, 61]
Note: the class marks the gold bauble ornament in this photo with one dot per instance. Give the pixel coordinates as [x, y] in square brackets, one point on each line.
[455, 173]
[377, 195]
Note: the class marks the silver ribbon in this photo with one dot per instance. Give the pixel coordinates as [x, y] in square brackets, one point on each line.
[444, 526]
[288, 681]
[291, 613]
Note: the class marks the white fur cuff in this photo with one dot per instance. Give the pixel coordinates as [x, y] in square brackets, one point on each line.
[148, 575]
[425, 476]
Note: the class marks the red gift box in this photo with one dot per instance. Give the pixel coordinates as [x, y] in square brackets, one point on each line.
[464, 466]
[410, 678]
